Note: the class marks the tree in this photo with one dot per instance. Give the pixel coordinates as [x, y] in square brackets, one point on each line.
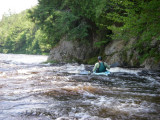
[140, 20]
[70, 19]
[17, 35]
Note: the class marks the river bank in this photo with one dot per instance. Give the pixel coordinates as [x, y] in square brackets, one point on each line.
[118, 53]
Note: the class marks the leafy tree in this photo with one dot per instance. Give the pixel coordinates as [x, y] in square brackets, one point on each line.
[71, 19]
[17, 35]
[140, 20]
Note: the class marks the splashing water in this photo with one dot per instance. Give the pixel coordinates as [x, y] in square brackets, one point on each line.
[32, 91]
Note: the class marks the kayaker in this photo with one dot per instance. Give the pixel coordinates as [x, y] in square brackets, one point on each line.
[100, 66]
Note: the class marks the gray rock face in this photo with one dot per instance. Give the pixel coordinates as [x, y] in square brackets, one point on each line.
[61, 51]
[115, 52]
[114, 47]
[69, 51]
[151, 64]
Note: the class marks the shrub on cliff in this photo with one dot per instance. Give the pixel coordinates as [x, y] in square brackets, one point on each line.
[138, 19]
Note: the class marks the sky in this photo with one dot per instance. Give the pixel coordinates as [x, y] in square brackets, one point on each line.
[15, 6]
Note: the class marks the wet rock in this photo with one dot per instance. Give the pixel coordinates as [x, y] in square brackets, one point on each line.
[89, 67]
[143, 73]
[153, 73]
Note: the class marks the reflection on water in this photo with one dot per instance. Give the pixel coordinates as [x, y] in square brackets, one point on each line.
[33, 91]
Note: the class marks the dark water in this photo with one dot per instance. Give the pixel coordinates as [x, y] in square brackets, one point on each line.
[33, 91]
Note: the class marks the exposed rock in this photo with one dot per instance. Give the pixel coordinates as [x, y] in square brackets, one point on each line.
[154, 42]
[115, 52]
[114, 59]
[114, 47]
[133, 58]
[69, 51]
[151, 64]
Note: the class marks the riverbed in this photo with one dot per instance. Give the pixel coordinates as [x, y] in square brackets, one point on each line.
[32, 90]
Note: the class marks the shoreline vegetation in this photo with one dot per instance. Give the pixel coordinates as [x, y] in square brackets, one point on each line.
[127, 32]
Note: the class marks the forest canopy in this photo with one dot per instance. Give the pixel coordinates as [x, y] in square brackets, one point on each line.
[19, 35]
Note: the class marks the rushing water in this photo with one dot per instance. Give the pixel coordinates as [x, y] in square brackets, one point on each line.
[30, 90]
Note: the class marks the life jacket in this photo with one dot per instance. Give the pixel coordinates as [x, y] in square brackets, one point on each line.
[101, 68]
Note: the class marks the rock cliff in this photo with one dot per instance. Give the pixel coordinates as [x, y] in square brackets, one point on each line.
[117, 52]
[121, 53]
[72, 51]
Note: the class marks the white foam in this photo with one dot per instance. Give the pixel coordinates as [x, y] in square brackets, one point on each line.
[86, 116]
[71, 68]
[122, 105]
[23, 59]
[131, 71]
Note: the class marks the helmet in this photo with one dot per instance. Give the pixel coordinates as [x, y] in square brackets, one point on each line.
[99, 58]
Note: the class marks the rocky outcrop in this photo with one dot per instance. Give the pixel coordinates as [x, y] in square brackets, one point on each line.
[151, 64]
[112, 51]
[121, 53]
[117, 52]
[69, 51]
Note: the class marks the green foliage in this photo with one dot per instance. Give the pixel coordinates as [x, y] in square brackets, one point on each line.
[51, 62]
[100, 43]
[91, 61]
[19, 35]
[137, 19]
[71, 19]
[57, 22]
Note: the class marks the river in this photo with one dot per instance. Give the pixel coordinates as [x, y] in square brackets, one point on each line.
[30, 90]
